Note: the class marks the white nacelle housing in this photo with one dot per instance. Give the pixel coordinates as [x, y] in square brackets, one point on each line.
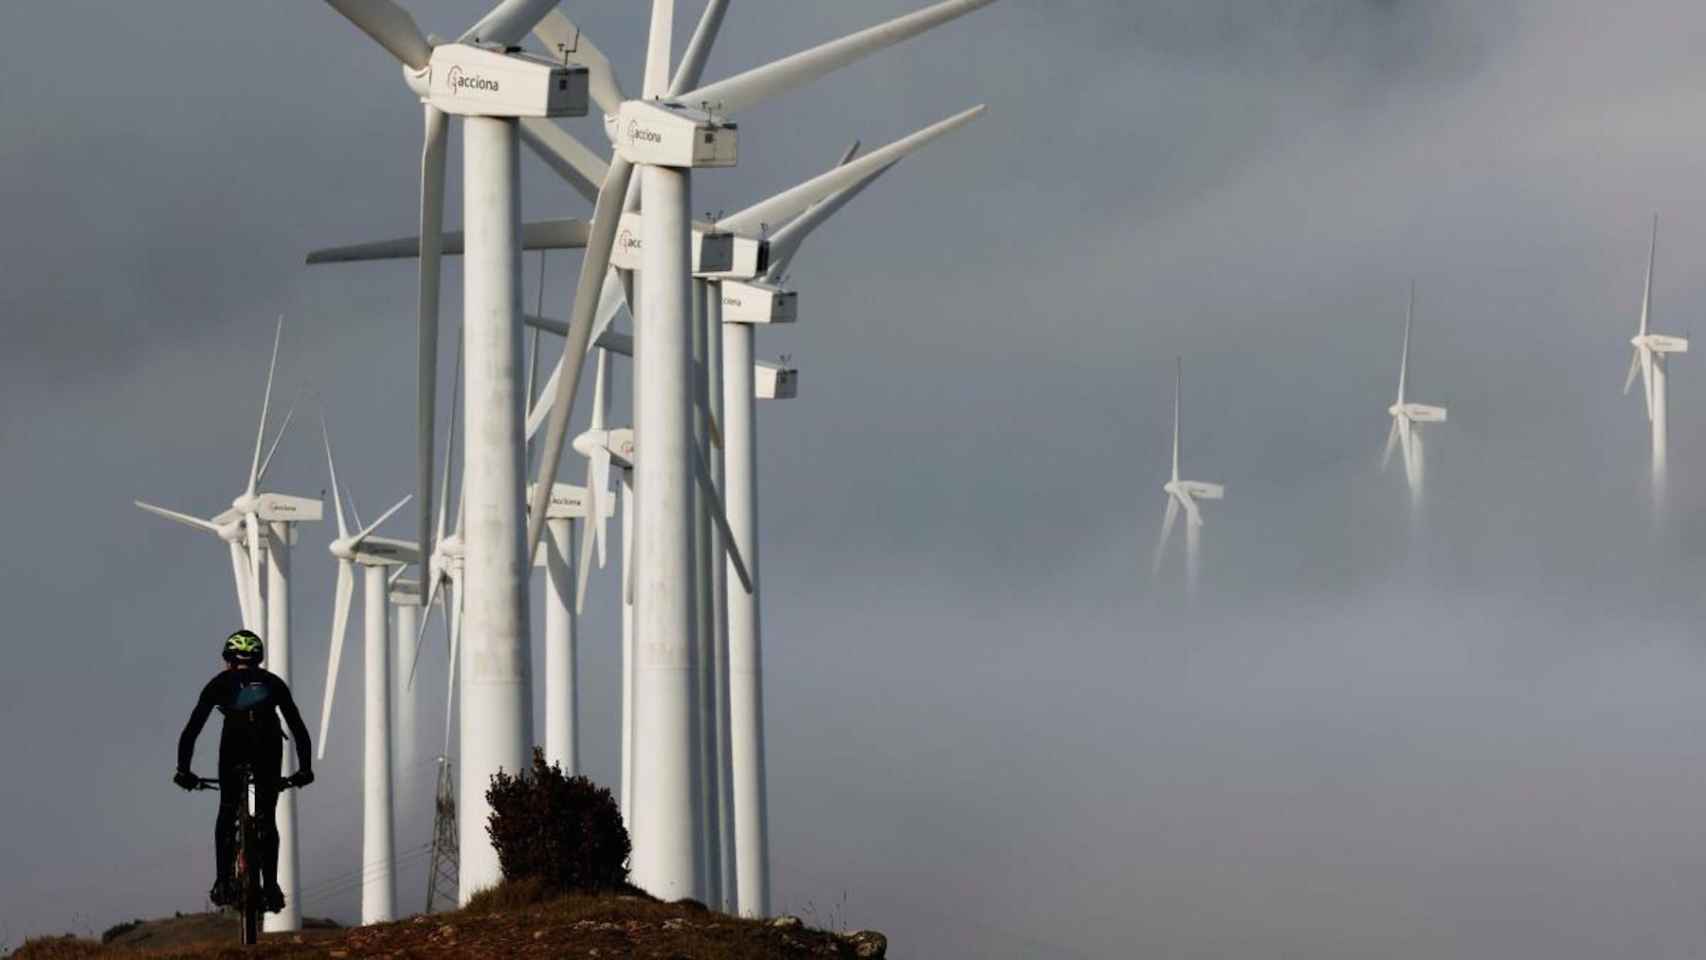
[278, 506]
[773, 381]
[570, 502]
[480, 82]
[758, 302]
[750, 258]
[388, 552]
[1202, 491]
[1422, 413]
[662, 134]
[712, 250]
[1664, 343]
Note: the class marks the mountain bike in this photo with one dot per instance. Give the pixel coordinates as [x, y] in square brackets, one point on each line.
[246, 870]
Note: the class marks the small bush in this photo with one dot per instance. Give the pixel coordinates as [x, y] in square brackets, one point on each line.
[564, 831]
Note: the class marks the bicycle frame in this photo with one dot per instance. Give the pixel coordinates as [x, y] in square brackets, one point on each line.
[246, 871]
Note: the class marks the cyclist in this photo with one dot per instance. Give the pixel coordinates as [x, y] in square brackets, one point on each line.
[251, 699]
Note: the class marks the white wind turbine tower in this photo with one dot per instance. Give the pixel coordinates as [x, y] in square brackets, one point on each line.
[406, 599]
[568, 504]
[1407, 416]
[1650, 361]
[1183, 495]
[241, 529]
[738, 300]
[376, 556]
[668, 139]
[492, 86]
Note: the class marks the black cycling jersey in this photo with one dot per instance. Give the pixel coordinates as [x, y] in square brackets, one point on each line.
[251, 700]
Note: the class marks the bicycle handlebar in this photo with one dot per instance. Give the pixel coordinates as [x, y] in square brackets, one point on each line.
[211, 783]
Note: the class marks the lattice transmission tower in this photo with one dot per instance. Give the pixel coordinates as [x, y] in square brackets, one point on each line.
[441, 873]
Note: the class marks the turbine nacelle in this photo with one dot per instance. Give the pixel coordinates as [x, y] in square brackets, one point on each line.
[569, 502]
[480, 81]
[664, 134]
[1417, 412]
[758, 302]
[1660, 343]
[1196, 489]
[376, 551]
[775, 381]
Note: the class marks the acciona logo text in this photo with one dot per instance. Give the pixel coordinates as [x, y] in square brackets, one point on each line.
[638, 134]
[460, 80]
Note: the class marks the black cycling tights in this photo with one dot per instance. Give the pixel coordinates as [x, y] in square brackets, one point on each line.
[225, 828]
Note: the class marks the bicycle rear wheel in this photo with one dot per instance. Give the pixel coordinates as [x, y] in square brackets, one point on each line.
[249, 876]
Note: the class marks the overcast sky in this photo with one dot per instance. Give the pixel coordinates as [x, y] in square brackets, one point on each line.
[990, 734]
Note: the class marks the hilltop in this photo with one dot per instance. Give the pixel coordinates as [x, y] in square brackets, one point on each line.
[513, 921]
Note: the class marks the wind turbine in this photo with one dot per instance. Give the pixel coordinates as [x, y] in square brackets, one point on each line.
[491, 85]
[1183, 495]
[1649, 360]
[376, 556]
[1407, 416]
[241, 527]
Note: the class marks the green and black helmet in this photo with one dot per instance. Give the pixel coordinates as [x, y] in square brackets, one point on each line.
[245, 647]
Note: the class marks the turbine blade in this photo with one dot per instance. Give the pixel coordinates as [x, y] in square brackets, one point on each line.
[426, 356]
[563, 38]
[266, 401]
[760, 83]
[716, 503]
[1404, 358]
[570, 159]
[1193, 514]
[1167, 521]
[1391, 444]
[383, 517]
[245, 594]
[598, 465]
[253, 525]
[183, 518]
[1406, 440]
[332, 466]
[585, 561]
[508, 22]
[420, 635]
[594, 266]
[1634, 371]
[785, 245]
[691, 71]
[266, 461]
[1647, 291]
[559, 234]
[1647, 378]
[1178, 379]
[391, 26]
[449, 445]
[340, 621]
[658, 43]
[791, 203]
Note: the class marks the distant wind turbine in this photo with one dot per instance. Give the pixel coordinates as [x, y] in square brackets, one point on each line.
[1649, 361]
[1183, 495]
[376, 555]
[1406, 416]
